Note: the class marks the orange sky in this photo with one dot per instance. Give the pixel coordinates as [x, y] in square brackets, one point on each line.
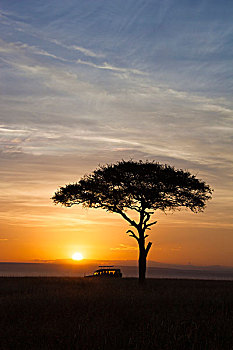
[32, 227]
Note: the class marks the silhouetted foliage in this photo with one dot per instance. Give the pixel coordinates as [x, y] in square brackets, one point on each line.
[140, 186]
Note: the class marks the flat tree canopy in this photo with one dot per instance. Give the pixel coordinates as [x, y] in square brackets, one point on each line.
[140, 186]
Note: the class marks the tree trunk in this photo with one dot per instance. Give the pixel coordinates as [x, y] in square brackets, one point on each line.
[142, 264]
[143, 252]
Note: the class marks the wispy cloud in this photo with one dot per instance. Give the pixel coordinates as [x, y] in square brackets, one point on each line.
[109, 67]
[176, 249]
[124, 247]
[11, 47]
[83, 50]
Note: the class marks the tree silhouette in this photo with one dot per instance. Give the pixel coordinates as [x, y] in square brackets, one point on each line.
[138, 186]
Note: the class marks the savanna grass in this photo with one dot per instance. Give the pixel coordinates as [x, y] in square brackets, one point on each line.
[82, 314]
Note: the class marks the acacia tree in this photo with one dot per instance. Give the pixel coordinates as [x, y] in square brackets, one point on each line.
[142, 187]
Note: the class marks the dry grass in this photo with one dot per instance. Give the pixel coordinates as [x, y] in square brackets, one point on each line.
[82, 314]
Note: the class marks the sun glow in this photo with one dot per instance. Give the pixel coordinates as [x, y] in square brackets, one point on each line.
[77, 256]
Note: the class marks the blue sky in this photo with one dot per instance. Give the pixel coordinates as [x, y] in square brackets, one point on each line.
[89, 82]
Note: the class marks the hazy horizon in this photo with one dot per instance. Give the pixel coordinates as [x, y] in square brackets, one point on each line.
[122, 262]
[129, 269]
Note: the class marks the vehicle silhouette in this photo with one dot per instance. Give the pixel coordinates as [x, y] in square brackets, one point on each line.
[106, 272]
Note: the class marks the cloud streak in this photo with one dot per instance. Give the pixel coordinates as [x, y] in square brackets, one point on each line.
[109, 67]
[83, 50]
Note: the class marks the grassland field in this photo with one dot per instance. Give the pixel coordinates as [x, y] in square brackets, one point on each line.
[90, 314]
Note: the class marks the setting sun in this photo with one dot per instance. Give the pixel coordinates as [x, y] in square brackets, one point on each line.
[77, 256]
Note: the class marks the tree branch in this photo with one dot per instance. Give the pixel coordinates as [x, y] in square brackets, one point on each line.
[132, 222]
[147, 218]
[142, 215]
[148, 248]
[134, 207]
[152, 223]
[132, 234]
[148, 215]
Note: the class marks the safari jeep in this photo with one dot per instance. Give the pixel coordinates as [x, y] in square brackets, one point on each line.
[107, 271]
